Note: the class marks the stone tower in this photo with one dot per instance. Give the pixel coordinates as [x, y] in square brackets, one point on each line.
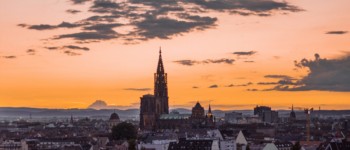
[161, 88]
[153, 106]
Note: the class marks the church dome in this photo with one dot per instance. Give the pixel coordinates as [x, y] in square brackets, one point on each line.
[114, 116]
[198, 106]
[197, 111]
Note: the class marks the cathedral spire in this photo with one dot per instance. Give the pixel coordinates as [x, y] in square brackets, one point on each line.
[160, 85]
[160, 67]
[160, 79]
[209, 114]
[209, 111]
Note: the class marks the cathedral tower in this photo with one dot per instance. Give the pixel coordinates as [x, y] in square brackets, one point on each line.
[161, 88]
[153, 106]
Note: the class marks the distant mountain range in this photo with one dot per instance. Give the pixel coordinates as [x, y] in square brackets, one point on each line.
[24, 112]
[101, 109]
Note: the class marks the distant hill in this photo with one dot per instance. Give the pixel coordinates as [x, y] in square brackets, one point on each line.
[24, 112]
[100, 104]
[9, 112]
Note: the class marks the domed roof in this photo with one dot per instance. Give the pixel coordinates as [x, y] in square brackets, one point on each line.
[198, 105]
[114, 116]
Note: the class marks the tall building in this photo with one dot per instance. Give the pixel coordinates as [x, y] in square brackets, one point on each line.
[161, 88]
[292, 116]
[153, 106]
[266, 114]
[154, 109]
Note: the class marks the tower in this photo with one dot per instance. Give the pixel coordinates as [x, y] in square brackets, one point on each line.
[161, 88]
[292, 116]
[209, 114]
[153, 106]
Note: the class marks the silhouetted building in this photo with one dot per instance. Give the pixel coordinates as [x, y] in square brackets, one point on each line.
[153, 106]
[154, 109]
[113, 120]
[184, 144]
[199, 119]
[266, 114]
[233, 117]
[292, 116]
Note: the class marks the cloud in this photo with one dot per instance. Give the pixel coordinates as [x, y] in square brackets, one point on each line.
[138, 89]
[283, 81]
[68, 49]
[187, 62]
[238, 85]
[71, 53]
[88, 36]
[50, 27]
[31, 52]
[9, 57]
[165, 27]
[278, 76]
[324, 75]
[103, 28]
[73, 47]
[213, 86]
[195, 87]
[52, 48]
[73, 11]
[150, 19]
[79, 1]
[243, 53]
[246, 6]
[249, 61]
[337, 32]
[40, 27]
[252, 90]
[267, 83]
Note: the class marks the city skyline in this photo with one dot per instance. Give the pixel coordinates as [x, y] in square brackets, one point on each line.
[234, 57]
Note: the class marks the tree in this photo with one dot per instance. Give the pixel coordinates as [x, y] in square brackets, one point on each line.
[247, 148]
[124, 131]
[132, 144]
[296, 146]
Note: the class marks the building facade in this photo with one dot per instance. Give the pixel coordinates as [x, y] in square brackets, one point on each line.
[154, 109]
[153, 106]
[266, 114]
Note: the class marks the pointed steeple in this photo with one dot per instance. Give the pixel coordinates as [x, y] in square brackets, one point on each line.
[160, 89]
[209, 114]
[71, 118]
[160, 85]
[160, 67]
[292, 107]
[209, 111]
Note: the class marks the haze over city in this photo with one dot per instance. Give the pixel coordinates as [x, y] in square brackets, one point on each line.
[70, 53]
[174, 75]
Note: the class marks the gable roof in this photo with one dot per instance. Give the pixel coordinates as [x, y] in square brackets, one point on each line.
[270, 146]
[241, 139]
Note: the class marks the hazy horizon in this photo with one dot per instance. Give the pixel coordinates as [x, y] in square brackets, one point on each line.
[232, 54]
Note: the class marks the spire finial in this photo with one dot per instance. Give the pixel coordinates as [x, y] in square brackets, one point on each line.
[160, 50]
[209, 108]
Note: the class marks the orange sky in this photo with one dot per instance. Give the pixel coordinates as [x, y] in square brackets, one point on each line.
[52, 79]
